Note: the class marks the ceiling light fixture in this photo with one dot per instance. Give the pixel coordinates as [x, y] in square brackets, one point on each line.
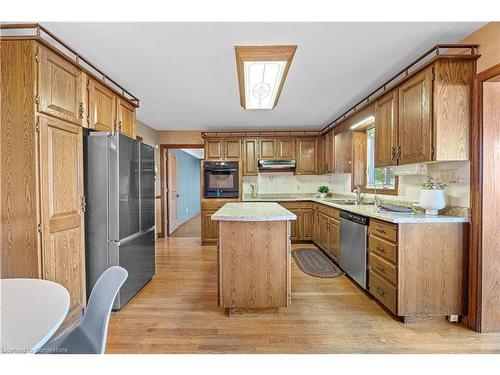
[366, 121]
[262, 72]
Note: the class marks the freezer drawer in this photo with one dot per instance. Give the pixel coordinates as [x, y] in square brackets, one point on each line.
[137, 255]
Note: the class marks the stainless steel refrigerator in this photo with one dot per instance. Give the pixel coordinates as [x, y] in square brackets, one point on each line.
[119, 217]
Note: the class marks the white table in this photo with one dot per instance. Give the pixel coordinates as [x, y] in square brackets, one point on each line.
[31, 311]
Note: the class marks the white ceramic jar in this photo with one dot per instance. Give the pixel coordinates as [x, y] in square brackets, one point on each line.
[432, 200]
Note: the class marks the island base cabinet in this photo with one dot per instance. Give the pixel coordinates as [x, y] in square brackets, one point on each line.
[254, 264]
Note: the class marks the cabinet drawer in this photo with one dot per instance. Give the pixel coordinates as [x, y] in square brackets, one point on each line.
[335, 213]
[383, 248]
[384, 230]
[384, 292]
[383, 268]
[306, 205]
[290, 205]
[324, 209]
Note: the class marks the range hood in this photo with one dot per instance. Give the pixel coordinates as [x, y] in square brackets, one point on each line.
[276, 164]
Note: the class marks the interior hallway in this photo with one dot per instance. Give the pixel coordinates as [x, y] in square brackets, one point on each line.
[177, 312]
[191, 228]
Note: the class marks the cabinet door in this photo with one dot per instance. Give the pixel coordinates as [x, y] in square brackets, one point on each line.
[102, 107]
[209, 227]
[295, 226]
[232, 149]
[323, 231]
[213, 149]
[329, 153]
[250, 157]
[267, 149]
[415, 121]
[306, 156]
[61, 187]
[306, 224]
[126, 118]
[343, 152]
[286, 149]
[386, 130]
[60, 88]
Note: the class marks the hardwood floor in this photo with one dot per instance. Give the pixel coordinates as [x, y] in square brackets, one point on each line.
[191, 228]
[177, 312]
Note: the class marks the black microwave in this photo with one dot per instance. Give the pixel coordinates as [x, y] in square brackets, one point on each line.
[221, 179]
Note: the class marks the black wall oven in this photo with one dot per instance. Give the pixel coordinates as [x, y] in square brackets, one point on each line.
[221, 179]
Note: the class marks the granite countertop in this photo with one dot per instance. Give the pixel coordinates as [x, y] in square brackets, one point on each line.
[253, 211]
[366, 210]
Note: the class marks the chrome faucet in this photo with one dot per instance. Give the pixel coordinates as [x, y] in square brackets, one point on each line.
[359, 198]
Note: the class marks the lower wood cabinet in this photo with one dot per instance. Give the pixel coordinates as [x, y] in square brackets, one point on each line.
[209, 228]
[417, 269]
[326, 230]
[300, 229]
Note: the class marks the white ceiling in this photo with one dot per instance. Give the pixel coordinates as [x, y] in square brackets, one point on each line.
[185, 73]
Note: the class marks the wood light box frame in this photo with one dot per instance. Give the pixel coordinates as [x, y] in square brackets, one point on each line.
[262, 53]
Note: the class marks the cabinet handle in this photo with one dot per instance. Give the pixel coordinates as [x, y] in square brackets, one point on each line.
[81, 110]
[380, 229]
[380, 268]
[381, 291]
[381, 249]
[115, 126]
[120, 126]
[393, 153]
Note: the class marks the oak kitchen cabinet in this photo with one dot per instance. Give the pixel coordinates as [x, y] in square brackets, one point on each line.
[406, 273]
[42, 172]
[107, 111]
[44, 105]
[223, 149]
[326, 153]
[307, 162]
[277, 148]
[60, 87]
[343, 152]
[426, 117]
[250, 157]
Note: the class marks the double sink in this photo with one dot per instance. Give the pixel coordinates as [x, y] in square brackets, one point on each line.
[347, 202]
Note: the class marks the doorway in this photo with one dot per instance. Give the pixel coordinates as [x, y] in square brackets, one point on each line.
[181, 190]
[484, 259]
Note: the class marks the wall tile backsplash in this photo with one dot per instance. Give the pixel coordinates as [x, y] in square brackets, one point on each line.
[455, 174]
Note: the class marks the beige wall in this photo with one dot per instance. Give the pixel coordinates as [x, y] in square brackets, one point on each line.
[488, 38]
[151, 137]
[180, 137]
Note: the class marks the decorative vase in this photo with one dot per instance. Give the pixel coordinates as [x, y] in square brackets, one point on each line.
[432, 200]
[322, 195]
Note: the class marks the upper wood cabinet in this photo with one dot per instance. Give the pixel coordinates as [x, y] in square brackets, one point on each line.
[108, 112]
[214, 149]
[60, 87]
[306, 156]
[285, 149]
[222, 149]
[250, 157]
[267, 149]
[125, 117]
[61, 185]
[427, 117]
[343, 152]
[102, 107]
[386, 130]
[415, 119]
[232, 149]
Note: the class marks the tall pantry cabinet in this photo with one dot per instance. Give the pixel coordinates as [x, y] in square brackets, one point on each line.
[44, 105]
[41, 186]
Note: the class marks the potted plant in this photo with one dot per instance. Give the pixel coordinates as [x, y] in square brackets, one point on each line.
[432, 196]
[323, 191]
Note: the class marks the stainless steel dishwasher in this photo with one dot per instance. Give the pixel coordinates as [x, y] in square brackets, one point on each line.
[353, 246]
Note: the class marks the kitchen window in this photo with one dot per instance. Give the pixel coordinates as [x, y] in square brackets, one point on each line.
[381, 179]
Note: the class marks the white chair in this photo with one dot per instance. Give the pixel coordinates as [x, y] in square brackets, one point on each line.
[89, 337]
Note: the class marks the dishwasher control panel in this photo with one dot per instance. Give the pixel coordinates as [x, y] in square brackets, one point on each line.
[355, 217]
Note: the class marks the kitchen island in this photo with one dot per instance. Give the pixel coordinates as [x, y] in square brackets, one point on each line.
[254, 257]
